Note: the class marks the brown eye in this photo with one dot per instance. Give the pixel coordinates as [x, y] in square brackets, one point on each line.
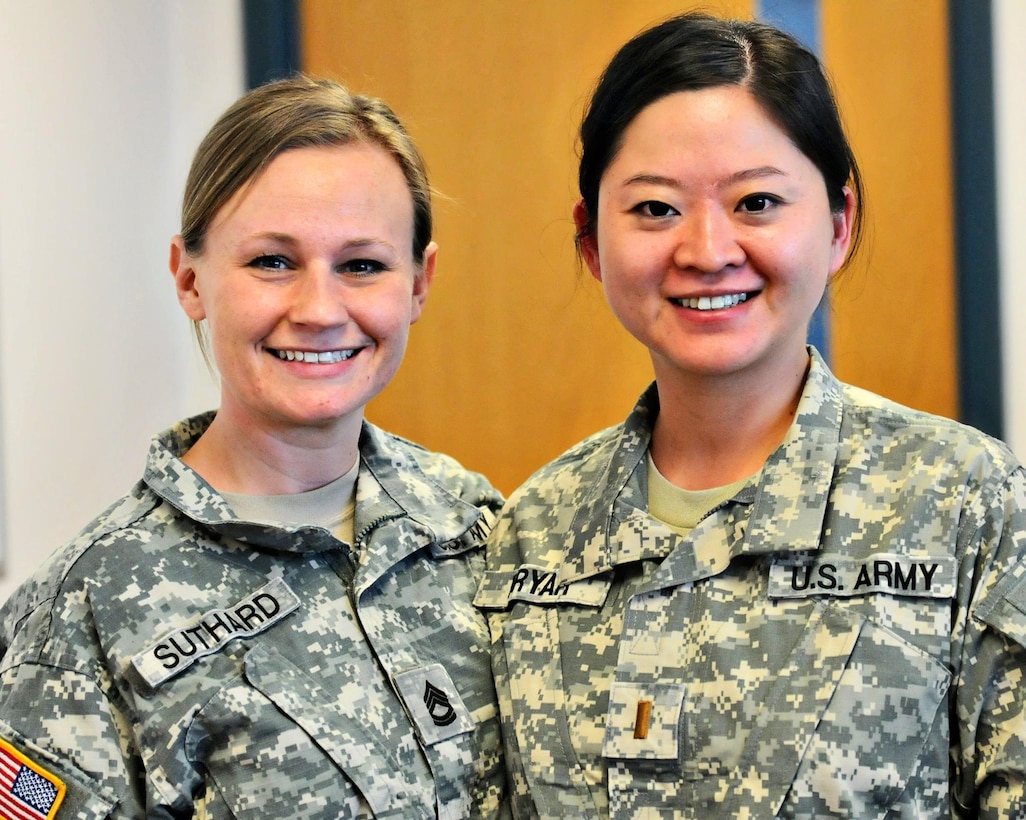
[656, 209]
[757, 203]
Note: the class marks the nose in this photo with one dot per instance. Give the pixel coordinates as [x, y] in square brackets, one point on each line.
[318, 298]
[707, 241]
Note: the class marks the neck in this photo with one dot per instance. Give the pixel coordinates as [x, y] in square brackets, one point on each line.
[233, 458]
[712, 431]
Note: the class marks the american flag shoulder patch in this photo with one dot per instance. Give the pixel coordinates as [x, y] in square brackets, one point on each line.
[27, 790]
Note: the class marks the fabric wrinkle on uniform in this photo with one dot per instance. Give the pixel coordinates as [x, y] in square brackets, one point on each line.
[263, 670]
[798, 654]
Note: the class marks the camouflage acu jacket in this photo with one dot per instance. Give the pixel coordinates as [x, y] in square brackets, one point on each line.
[175, 660]
[842, 638]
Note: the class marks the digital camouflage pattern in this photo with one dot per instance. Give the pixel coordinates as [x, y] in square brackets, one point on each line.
[174, 660]
[843, 638]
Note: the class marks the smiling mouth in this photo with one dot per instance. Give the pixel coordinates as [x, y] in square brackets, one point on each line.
[313, 357]
[721, 302]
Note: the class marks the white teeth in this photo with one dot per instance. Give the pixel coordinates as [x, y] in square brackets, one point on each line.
[714, 302]
[327, 357]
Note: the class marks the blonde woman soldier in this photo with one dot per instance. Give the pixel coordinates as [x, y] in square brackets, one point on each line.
[277, 620]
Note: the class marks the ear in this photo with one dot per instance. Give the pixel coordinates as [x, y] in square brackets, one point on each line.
[843, 222]
[586, 242]
[422, 281]
[182, 269]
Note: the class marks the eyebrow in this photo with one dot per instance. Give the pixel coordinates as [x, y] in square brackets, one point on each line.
[759, 172]
[288, 239]
[273, 235]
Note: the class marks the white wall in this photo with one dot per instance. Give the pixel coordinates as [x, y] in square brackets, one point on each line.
[101, 104]
[1009, 34]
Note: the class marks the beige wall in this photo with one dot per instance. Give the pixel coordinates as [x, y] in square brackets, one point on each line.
[517, 356]
[103, 106]
[1009, 33]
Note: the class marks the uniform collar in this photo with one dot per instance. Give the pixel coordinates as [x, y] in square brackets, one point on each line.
[391, 487]
[391, 483]
[794, 489]
[791, 494]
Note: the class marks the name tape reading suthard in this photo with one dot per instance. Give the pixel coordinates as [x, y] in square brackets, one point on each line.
[179, 649]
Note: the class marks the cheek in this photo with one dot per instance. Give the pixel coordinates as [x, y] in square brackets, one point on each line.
[385, 317]
[800, 260]
[629, 265]
[233, 331]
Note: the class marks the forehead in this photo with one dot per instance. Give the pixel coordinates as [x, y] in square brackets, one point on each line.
[332, 169]
[360, 181]
[719, 127]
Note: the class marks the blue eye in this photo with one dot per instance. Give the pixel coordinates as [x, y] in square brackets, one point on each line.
[362, 267]
[270, 262]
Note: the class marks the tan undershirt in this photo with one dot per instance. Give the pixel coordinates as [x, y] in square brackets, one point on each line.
[680, 509]
[331, 507]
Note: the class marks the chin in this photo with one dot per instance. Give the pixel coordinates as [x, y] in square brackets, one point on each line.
[321, 418]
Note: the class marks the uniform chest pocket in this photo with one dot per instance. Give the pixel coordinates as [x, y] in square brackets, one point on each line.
[837, 730]
[530, 663]
[275, 742]
[884, 722]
